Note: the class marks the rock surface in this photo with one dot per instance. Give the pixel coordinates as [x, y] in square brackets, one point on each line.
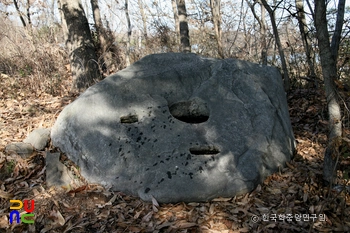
[180, 127]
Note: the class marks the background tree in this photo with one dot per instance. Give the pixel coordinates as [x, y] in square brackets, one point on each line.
[20, 13]
[216, 18]
[299, 4]
[144, 20]
[127, 55]
[83, 59]
[335, 43]
[279, 45]
[329, 71]
[101, 34]
[184, 34]
[176, 19]
[263, 29]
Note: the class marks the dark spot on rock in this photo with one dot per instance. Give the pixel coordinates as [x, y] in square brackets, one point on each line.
[110, 144]
[200, 169]
[188, 157]
[161, 161]
[169, 174]
[155, 140]
[191, 175]
[155, 164]
[161, 181]
[186, 163]
[138, 139]
[147, 190]
[120, 149]
[147, 169]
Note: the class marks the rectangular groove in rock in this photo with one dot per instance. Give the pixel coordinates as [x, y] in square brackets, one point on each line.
[204, 150]
[129, 119]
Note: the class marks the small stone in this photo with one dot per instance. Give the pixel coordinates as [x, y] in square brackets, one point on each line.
[22, 149]
[56, 173]
[38, 138]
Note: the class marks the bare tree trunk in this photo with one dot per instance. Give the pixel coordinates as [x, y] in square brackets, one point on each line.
[338, 29]
[63, 22]
[176, 18]
[84, 66]
[215, 11]
[305, 37]
[279, 45]
[127, 58]
[28, 14]
[184, 34]
[101, 33]
[19, 13]
[329, 71]
[263, 29]
[144, 21]
[263, 35]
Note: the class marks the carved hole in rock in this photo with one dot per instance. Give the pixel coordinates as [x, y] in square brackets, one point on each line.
[129, 119]
[204, 150]
[193, 111]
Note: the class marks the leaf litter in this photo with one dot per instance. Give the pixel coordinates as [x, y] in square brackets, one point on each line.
[294, 191]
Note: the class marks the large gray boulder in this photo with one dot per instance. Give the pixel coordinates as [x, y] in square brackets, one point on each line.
[180, 127]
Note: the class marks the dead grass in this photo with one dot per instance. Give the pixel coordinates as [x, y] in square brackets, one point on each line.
[33, 59]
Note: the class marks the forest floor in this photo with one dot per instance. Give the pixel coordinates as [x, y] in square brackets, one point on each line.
[291, 200]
